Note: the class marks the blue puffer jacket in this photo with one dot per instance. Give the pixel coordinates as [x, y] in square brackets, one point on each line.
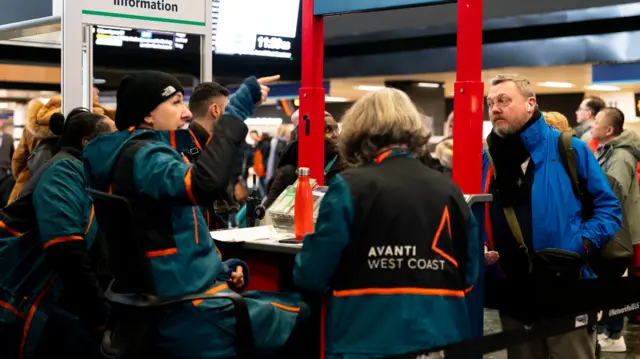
[557, 221]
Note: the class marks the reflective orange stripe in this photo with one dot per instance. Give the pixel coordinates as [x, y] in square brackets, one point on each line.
[187, 186]
[11, 308]
[195, 140]
[90, 220]
[213, 290]
[396, 291]
[208, 140]
[445, 219]
[285, 307]
[62, 240]
[32, 312]
[195, 223]
[161, 253]
[172, 139]
[468, 290]
[382, 156]
[11, 231]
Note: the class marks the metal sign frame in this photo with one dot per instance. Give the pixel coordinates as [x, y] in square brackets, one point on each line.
[468, 94]
[78, 20]
[468, 107]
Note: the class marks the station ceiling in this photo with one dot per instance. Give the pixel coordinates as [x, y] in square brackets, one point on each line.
[349, 25]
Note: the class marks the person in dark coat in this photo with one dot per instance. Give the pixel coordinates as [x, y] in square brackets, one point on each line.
[286, 171]
[207, 104]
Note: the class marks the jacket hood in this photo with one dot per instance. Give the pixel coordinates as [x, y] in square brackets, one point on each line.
[444, 153]
[38, 115]
[628, 140]
[101, 154]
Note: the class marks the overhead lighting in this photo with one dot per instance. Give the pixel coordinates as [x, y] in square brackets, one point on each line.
[335, 99]
[564, 85]
[431, 85]
[602, 88]
[369, 88]
[4, 105]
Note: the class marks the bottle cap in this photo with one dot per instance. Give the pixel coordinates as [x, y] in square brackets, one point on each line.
[303, 171]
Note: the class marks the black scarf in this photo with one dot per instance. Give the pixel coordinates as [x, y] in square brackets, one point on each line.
[508, 154]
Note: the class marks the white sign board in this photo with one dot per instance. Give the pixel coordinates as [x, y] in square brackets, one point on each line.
[187, 16]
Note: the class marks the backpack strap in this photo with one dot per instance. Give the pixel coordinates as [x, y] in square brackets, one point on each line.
[510, 215]
[568, 158]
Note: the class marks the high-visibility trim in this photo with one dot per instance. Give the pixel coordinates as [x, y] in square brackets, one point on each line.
[399, 291]
[213, 290]
[286, 307]
[63, 240]
[161, 253]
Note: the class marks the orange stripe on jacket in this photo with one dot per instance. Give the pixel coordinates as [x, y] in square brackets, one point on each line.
[195, 223]
[90, 220]
[11, 231]
[195, 140]
[397, 291]
[213, 290]
[161, 253]
[286, 307]
[172, 139]
[11, 308]
[32, 313]
[63, 240]
[187, 186]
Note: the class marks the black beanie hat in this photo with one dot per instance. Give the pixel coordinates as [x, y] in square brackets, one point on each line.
[139, 94]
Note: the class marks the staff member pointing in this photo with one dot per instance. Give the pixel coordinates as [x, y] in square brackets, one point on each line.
[164, 192]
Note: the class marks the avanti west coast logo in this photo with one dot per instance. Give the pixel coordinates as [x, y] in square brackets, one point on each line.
[148, 4]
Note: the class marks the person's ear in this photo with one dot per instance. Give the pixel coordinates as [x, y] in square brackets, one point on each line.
[85, 141]
[149, 120]
[214, 110]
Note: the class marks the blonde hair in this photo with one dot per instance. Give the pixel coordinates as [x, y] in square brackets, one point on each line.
[379, 120]
[557, 121]
[522, 83]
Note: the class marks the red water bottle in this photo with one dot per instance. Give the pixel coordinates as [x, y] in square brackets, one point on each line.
[303, 215]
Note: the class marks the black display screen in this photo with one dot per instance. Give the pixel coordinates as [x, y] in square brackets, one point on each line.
[261, 41]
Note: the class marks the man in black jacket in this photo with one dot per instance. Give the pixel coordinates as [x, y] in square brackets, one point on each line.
[207, 104]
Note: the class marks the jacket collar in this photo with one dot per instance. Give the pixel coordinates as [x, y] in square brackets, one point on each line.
[534, 135]
[72, 151]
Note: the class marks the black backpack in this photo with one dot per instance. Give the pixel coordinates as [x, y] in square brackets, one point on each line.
[615, 256]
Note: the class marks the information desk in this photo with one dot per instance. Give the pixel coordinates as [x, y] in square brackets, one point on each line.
[270, 262]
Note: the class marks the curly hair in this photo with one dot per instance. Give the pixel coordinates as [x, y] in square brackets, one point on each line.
[380, 120]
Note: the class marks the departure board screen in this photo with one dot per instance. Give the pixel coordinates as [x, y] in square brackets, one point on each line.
[249, 37]
[255, 27]
[144, 39]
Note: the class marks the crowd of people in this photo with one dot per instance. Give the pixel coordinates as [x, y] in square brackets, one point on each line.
[389, 290]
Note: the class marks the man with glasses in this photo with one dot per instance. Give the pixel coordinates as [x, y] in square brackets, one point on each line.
[530, 187]
[586, 115]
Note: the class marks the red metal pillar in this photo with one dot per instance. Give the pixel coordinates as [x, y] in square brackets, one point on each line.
[468, 100]
[311, 125]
